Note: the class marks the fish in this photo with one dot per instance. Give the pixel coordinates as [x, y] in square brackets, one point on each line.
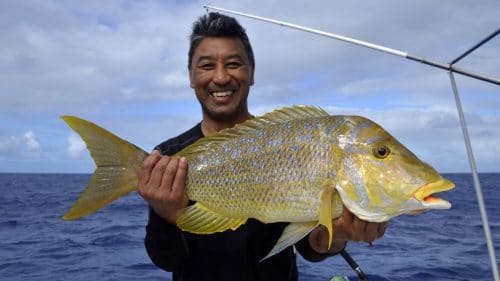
[296, 164]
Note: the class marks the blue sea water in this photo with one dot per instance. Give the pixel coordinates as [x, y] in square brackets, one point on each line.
[35, 244]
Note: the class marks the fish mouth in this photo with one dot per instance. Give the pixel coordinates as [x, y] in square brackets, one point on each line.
[425, 194]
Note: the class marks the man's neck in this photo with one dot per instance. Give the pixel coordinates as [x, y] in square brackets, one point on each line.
[210, 127]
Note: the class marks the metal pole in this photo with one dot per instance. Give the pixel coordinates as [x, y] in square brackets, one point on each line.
[488, 38]
[367, 45]
[472, 162]
[475, 177]
[318, 32]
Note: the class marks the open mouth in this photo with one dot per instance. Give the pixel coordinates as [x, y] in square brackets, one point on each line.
[425, 194]
[222, 94]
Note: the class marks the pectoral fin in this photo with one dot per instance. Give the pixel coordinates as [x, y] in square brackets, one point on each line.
[201, 220]
[325, 213]
[291, 235]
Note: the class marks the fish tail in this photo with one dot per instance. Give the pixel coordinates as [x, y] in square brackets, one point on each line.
[117, 166]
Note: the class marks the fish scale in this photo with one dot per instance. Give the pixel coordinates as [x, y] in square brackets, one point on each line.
[289, 165]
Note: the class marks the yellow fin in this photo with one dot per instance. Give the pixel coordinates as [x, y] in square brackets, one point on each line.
[325, 213]
[291, 235]
[201, 220]
[277, 116]
[116, 174]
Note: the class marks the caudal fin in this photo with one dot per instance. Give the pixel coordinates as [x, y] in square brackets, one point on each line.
[117, 166]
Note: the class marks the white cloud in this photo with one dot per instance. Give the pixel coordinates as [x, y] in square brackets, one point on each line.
[75, 55]
[31, 142]
[124, 63]
[25, 146]
[75, 146]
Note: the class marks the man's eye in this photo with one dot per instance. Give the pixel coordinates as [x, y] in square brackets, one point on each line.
[207, 66]
[233, 65]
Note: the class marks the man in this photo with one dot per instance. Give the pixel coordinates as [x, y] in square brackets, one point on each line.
[221, 71]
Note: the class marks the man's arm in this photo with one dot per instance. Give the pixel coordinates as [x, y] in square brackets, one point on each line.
[165, 243]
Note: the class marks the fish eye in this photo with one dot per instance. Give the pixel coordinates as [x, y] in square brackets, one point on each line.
[381, 152]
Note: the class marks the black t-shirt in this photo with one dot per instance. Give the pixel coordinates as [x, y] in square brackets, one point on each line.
[229, 255]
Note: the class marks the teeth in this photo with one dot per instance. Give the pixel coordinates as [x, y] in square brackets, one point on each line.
[222, 94]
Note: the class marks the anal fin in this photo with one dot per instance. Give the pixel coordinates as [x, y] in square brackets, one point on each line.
[291, 235]
[201, 220]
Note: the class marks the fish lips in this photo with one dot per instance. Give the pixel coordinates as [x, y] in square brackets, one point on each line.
[425, 194]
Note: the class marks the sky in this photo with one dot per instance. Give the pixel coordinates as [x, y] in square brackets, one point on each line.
[123, 65]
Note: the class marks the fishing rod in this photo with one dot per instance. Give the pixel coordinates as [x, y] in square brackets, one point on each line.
[446, 66]
[354, 265]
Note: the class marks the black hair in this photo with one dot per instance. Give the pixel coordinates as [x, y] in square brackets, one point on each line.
[218, 25]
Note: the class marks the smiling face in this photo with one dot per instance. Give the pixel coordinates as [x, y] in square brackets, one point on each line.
[221, 76]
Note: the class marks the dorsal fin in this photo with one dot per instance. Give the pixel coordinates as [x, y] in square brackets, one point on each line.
[277, 116]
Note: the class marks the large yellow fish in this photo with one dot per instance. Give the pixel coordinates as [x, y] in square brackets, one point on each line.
[297, 165]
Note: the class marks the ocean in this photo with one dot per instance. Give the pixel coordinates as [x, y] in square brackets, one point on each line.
[36, 244]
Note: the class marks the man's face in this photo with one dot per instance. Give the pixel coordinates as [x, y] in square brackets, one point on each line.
[221, 76]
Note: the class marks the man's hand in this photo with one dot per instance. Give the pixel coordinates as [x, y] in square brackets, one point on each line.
[346, 228]
[161, 183]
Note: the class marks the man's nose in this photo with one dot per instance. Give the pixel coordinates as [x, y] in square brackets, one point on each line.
[221, 76]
